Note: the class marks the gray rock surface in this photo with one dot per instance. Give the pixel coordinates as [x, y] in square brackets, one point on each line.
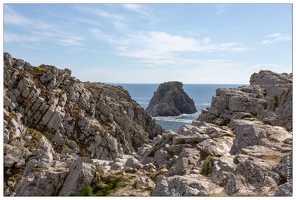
[52, 119]
[62, 137]
[170, 100]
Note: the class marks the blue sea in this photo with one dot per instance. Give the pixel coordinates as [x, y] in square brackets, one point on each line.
[200, 93]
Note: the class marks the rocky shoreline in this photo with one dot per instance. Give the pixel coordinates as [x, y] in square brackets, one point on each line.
[63, 137]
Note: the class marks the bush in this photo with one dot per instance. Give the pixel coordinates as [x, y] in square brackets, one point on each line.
[104, 187]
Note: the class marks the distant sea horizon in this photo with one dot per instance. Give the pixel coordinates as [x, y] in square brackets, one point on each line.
[200, 93]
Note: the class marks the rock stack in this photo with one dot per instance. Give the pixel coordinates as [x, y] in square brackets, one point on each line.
[170, 100]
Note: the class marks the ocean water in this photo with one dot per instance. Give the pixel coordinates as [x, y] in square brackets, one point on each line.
[200, 93]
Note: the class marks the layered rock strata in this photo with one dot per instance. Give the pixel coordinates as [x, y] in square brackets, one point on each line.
[170, 100]
[268, 98]
[52, 120]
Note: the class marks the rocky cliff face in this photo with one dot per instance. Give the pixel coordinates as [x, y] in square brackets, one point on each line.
[170, 100]
[64, 137]
[51, 120]
[268, 98]
[240, 146]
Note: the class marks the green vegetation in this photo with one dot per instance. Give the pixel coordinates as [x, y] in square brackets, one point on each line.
[181, 141]
[10, 116]
[37, 71]
[225, 122]
[205, 170]
[104, 187]
[36, 137]
[247, 115]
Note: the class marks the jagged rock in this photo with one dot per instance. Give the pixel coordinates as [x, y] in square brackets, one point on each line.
[268, 98]
[216, 146]
[284, 190]
[81, 174]
[144, 183]
[188, 185]
[237, 185]
[250, 134]
[221, 167]
[133, 163]
[51, 117]
[57, 131]
[170, 100]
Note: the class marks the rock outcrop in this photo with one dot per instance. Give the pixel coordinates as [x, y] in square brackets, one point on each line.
[240, 146]
[52, 120]
[68, 138]
[170, 100]
[268, 98]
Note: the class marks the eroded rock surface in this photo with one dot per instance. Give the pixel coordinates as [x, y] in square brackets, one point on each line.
[52, 120]
[170, 100]
[65, 137]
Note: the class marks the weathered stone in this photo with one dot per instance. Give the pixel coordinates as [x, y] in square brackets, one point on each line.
[284, 190]
[81, 174]
[188, 185]
[170, 100]
[133, 163]
[216, 146]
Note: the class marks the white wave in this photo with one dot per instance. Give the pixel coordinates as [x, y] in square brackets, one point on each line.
[183, 118]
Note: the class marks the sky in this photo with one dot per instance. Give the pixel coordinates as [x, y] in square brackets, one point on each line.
[152, 43]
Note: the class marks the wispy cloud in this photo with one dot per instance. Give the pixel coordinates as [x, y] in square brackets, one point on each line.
[161, 48]
[276, 37]
[12, 17]
[143, 12]
[10, 37]
[117, 20]
[70, 40]
[220, 9]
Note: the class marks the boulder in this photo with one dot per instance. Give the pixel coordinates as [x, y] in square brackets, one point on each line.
[170, 100]
[81, 174]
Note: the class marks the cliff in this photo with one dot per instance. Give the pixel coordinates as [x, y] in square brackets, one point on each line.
[65, 137]
[170, 100]
[51, 119]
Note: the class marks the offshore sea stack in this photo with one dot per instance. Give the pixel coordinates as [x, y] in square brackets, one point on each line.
[170, 100]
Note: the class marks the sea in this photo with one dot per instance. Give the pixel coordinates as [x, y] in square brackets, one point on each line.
[200, 93]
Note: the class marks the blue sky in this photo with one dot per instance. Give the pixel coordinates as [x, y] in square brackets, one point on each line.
[152, 43]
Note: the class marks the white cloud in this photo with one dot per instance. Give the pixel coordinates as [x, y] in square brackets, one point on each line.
[12, 17]
[220, 9]
[117, 20]
[276, 37]
[70, 40]
[133, 7]
[160, 48]
[142, 10]
[10, 37]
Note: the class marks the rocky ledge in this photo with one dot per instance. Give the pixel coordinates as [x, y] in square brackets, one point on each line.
[170, 100]
[53, 121]
[68, 138]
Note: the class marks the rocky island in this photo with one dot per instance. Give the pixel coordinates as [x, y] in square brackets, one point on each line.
[64, 137]
[170, 100]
